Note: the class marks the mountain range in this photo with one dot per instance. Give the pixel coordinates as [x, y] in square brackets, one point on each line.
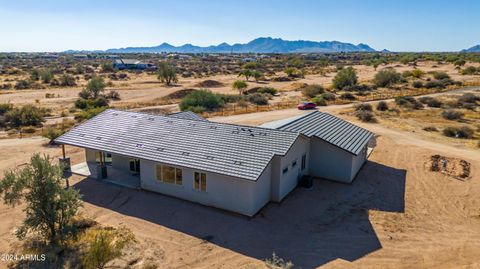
[259, 45]
[472, 49]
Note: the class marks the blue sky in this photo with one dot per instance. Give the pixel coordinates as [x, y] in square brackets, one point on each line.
[395, 25]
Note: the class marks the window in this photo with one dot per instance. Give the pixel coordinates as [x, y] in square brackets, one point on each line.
[285, 170]
[200, 181]
[294, 163]
[304, 161]
[169, 174]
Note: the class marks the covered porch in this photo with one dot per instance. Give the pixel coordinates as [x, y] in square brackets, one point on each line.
[107, 167]
[114, 176]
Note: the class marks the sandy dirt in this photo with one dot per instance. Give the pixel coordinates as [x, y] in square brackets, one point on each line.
[396, 214]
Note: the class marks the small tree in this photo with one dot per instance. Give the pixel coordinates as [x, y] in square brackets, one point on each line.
[166, 73]
[95, 86]
[50, 207]
[247, 73]
[346, 77]
[67, 80]
[257, 75]
[46, 75]
[240, 86]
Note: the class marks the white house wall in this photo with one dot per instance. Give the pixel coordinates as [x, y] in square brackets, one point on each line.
[330, 162]
[234, 194]
[282, 183]
[357, 162]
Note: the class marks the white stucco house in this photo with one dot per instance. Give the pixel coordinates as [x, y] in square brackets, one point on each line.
[232, 167]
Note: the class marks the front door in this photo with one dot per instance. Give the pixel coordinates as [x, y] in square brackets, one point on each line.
[134, 166]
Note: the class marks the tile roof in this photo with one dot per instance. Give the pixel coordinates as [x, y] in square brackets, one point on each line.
[189, 115]
[331, 129]
[233, 150]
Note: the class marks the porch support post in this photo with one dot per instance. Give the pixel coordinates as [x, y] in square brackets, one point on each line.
[63, 151]
[64, 161]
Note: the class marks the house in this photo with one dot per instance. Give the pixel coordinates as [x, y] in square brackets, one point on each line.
[132, 64]
[233, 167]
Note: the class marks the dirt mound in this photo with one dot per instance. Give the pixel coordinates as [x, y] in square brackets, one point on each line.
[179, 94]
[457, 168]
[209, 84]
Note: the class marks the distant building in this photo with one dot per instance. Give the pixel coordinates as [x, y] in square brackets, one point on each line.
[132, 64]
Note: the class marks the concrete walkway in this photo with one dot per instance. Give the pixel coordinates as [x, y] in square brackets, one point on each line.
[114, 176]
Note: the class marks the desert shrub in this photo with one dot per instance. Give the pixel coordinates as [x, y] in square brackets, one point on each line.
[363, 107]
[89, 113]
[344, 78]
[107, 67]
[430, 101]
[408, 102]
[417, 84]
[387, 77]
[113, 95]
[201, 98]
[91, 103]
[311, 91]
[22, 84]
[167, 73]
[451, 114]
[347, 96]
[462, 132]
[231, 98]
[434, 84]
[365, 116]
[258, 99]
[382, 106]
[95, 87]
[328, 96]
[5, 108]
[46, 75]
[105, 245]
[440, 75]
[319, 101]
[269, 90]
[28, 115]
[278, 263]
[469, 98]
[471, 70]
[52, 133]
[362, 88]
[67, 80]
[240, 86]
[430, 129]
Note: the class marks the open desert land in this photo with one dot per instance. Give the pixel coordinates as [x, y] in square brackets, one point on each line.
[396, 214]
[142, 90]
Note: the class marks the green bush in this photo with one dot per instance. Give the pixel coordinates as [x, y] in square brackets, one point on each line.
[408, 102]
[434, 84]
[328, 96]
[462, 132]
[319, 101]
[430, 101]
[52, 133]
[365, 116]
[201, 98]
[22, 85]
[451, 114]
[440, 75]
[387, 77]
[28, 115]
[269, 90]
[363, 107]
[258, 99]
[471, 70]
[67, 80]
[344, 78]
[311, 91]
[89, 113]
[4, 108]
[347, 96]
[417, 84]
[382, 106]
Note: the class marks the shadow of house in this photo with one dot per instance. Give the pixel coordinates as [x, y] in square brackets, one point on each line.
[310, 227]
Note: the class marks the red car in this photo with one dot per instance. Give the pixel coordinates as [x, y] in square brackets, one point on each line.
[306, 105]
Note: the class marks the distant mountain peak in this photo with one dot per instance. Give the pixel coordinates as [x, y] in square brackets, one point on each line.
[475, 48]
[257, 45]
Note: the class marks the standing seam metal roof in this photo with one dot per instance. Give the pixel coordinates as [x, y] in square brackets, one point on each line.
[233, 150]
[189, 115]
[331, 129]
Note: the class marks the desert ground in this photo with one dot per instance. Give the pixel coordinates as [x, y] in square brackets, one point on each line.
[143, 90]
[396, 214]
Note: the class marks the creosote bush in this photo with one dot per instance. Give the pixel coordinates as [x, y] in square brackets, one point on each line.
[382, 106]
[387, 77]
[456, 132]
[363, 107]
[451, 114]
[201, 98]
[365, 116]
[313, 90]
